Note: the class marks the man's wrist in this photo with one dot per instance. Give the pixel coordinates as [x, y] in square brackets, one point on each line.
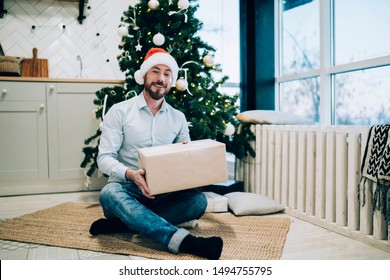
[128, 174]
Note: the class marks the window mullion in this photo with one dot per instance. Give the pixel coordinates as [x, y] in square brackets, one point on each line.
[326, 108]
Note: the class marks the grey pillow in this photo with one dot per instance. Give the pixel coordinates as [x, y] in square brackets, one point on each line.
[243, 203]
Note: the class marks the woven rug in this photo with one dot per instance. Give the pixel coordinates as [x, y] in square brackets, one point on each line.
[67, 225]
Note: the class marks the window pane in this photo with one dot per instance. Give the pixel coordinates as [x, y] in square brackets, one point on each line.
[300, 41]
[363, 97]
[221, 30]
[361, 30]
[302, 97]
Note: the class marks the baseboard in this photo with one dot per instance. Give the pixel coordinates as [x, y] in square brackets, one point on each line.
[51, 186]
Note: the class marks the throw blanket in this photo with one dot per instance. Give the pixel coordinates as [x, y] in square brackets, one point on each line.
[376, 168]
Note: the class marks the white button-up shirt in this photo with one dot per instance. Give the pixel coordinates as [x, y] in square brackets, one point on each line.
[128, 126]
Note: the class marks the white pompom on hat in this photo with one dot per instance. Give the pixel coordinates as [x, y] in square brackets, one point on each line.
[154, 57]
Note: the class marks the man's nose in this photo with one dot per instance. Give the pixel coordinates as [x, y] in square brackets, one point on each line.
[160, 77]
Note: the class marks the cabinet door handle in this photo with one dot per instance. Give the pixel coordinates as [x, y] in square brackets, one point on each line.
[51, 88]
[42, 106]
[4, 92]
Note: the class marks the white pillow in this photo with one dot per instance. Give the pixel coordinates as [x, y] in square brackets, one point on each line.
[270, 117]
[243, 203]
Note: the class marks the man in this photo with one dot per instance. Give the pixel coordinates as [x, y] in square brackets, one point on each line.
[144, 121]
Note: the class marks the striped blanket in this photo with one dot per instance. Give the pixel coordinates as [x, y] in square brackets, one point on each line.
[376, 168]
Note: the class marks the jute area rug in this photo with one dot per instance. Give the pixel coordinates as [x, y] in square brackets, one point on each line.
[67, 225]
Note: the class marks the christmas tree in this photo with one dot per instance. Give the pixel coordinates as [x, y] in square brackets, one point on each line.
[171, 24]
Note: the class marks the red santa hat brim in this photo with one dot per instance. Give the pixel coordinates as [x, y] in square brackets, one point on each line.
[156, 56]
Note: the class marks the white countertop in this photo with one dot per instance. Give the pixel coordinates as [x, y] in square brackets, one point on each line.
[59, 80]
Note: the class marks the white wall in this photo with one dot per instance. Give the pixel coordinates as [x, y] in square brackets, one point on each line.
[61, 46]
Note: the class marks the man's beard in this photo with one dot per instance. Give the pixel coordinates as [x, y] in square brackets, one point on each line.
[156, 95]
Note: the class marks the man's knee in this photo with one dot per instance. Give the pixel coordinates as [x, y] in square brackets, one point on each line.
[108, 192]
[199, 199]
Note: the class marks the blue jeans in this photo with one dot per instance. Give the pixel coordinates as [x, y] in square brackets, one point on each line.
[155, 218]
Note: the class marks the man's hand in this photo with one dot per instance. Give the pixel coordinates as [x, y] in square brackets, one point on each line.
[138, 177]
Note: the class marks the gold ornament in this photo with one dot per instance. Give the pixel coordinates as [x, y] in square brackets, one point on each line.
[229, 130]
[153, 4]
[123, 31]
[158, 39]
[183, 4]
[181, 84]
[208, 60]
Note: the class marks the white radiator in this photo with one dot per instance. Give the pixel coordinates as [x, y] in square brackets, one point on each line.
[315, 171]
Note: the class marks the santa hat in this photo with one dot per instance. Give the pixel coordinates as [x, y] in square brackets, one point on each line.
[154, 57]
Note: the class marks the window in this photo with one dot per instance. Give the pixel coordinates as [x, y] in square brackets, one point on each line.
[302, 97]
[221, 30]
[334, 60]
[301, 42]
[361, 30]
[363, 97]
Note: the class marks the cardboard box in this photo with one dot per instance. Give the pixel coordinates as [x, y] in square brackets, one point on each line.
[182, 166]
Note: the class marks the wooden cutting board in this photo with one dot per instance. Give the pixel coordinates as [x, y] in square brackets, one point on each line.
[35, 67]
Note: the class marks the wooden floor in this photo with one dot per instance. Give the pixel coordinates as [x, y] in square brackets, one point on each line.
[304, 240]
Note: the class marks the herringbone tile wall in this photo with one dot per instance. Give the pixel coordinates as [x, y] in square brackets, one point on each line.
[60, 38]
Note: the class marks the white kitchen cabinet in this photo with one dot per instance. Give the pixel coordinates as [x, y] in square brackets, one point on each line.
[43, 126]
[23, 130]
[70, 122]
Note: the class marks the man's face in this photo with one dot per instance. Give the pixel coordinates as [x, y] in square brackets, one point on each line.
[158, 81]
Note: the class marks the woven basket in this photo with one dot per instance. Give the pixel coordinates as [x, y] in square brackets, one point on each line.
[9, 66]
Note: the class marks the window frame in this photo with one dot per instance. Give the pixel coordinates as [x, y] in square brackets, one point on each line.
[327, 70]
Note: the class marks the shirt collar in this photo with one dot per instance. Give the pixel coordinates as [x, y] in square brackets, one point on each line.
[142, 102]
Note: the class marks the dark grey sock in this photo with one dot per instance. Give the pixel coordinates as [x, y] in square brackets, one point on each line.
[206, 247]
[102, 226]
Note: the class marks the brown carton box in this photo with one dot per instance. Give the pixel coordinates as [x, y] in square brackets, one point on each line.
[182, 166]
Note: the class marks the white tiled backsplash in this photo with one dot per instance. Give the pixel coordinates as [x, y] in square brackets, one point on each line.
[60, 38]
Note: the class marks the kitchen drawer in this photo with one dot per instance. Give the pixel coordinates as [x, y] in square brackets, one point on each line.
[17, 91]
